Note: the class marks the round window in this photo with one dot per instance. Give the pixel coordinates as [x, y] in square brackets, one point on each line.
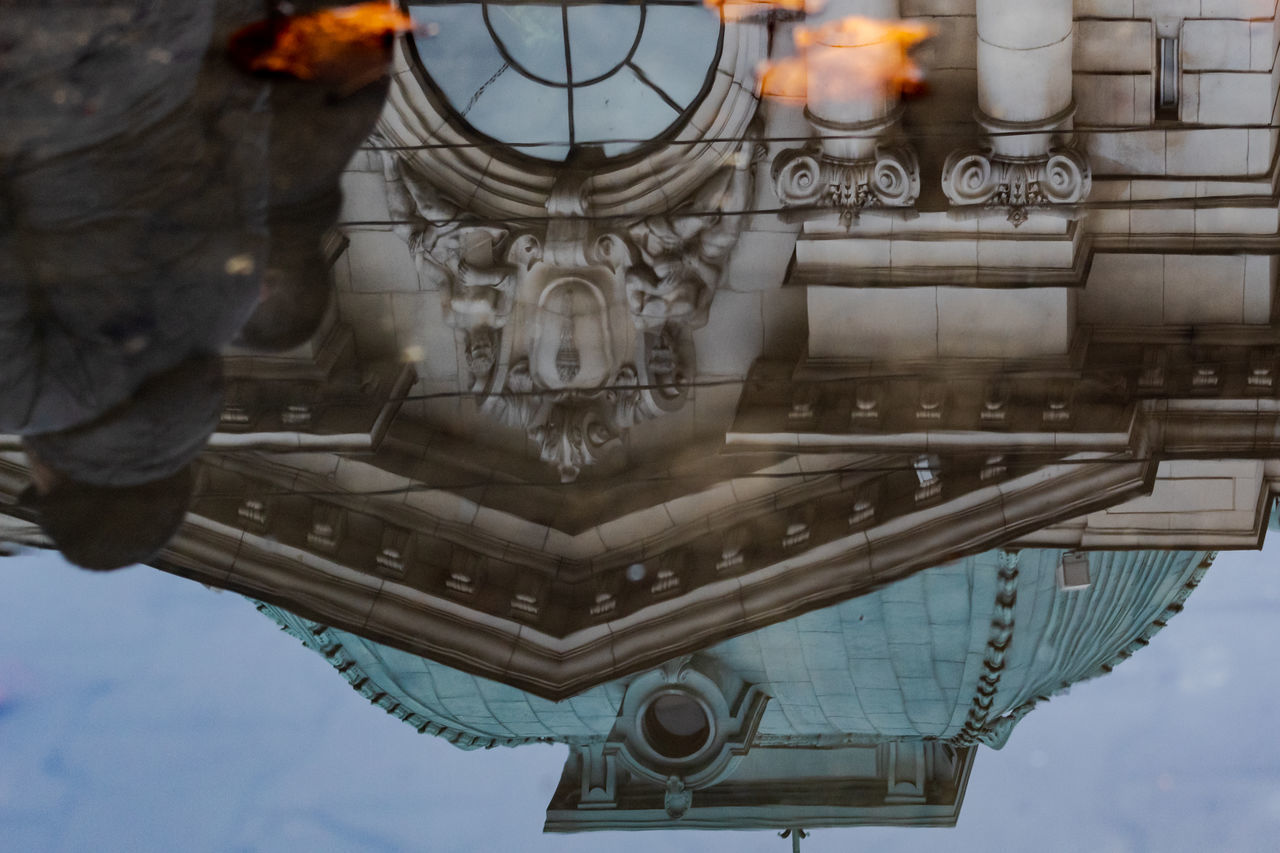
[676, 725]
[546, 78]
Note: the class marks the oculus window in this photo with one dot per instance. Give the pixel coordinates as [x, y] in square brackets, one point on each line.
[545, 78]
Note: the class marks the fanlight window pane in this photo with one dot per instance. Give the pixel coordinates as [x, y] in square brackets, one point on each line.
[599, 120]
[533, 37]
[470, 62]
[602, 38]
[675, 39]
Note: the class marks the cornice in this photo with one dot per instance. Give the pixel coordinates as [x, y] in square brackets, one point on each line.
[762, 590]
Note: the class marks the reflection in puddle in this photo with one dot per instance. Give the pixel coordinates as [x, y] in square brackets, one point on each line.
[773, 453]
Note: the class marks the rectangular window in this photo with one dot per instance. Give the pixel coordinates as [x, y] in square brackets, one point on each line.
[1168, 75]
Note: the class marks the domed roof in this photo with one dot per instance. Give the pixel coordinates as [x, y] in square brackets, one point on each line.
[957, 652]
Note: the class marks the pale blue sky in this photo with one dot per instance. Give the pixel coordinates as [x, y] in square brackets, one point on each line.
[140, 712]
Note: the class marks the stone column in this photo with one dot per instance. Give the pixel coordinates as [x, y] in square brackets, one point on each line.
[852, 61]
[1025, 105]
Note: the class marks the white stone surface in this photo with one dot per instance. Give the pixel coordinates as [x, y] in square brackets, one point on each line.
[1127, 153]
[1235, 98]
[1004, 323]
[373, 321]
[1262, 146]
[759, 260]
[1215, 45]
[1203, 289]
[383, 261]
[733, 336]
[422, 336]
[1104, 8]
[1105, 99]
[1023, 25]
[1024, 85]
[1124, 289]
[1259, 287]
[364, 199]
[872, 322]
[1237, 8]
[1207, 152]
[1113, 46]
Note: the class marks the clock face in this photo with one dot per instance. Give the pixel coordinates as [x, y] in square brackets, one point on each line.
[546, 78]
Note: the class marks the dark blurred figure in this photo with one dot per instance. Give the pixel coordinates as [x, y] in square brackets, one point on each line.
[154, 200]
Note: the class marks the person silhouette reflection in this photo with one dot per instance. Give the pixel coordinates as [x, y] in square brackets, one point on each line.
[147, 219]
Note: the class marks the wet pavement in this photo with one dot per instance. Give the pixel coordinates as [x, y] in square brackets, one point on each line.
[775, 409]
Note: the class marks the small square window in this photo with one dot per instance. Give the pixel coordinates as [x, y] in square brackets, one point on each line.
[1073, 571]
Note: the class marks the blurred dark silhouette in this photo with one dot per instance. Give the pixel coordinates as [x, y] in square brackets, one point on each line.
[156, 203]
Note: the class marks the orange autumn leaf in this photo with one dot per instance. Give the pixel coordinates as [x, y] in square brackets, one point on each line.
[346, 45]
[737, 10]
[852, 57]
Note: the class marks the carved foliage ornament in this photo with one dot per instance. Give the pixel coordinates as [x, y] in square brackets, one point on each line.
[807, 177]
[535, 308]
[979, 177]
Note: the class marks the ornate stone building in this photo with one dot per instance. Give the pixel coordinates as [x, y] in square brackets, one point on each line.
[638, 352]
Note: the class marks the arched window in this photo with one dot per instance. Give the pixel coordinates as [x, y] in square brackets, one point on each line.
[544, 78]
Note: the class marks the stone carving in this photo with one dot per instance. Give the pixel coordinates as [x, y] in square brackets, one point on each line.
[573, 330]
[808, 177]
[1001, 634]
[676, 799]
[982, 177]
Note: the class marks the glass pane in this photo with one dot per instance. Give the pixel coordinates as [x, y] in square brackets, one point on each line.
[461, 58]
[678, 48]
[515, 109]
[621, 108]
[600, 38]
[534, 38]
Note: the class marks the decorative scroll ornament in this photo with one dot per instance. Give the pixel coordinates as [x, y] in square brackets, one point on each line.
[807, 177]
[536, 311]
[980, 177]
